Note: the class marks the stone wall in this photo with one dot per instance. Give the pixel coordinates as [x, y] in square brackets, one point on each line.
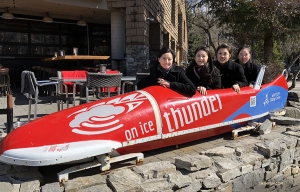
[136, 58]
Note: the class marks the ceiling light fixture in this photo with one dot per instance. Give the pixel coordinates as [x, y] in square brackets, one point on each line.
[47, 18]
[81, 22]
[7, 14]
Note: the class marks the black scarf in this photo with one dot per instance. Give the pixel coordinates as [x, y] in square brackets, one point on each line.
[163, 70]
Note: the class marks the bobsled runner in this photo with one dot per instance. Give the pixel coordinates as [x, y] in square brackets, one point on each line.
[137, 121]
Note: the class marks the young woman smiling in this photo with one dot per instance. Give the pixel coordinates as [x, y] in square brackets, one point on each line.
[202, 72]
[232, 74]
[165, 73]
[250, 69]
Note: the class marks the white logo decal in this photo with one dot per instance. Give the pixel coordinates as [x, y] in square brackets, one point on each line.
[267, 100]
[103, 117]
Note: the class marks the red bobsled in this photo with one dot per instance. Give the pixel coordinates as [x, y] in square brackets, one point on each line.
[137, 121]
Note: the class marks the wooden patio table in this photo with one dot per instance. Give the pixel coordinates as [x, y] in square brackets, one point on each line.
[77, 57]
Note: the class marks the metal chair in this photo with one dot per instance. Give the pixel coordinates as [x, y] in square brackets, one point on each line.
[71, 80]
[139, 76]
[5, 81]
[30, 87]
[96, 81]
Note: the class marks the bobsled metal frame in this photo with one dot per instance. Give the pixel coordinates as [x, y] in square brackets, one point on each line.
[102, 161]
[259, 78]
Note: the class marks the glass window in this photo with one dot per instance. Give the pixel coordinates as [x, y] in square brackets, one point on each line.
[13, 37]
[36, 38]
[45, 38]
[51, 39]
[64, 39]
[22, 50]
[9, 49]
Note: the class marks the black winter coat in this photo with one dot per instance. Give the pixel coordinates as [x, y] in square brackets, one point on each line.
[179, 82]
[210, 79]
[231, 73]
[251, 71]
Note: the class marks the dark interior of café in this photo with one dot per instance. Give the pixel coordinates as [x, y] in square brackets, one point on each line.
[26, 42]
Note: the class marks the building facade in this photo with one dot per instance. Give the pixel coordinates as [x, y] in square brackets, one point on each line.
[148, 26]
[131, 32]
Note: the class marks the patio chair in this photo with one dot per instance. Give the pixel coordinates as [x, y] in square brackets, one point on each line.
[95, 82]
[139, 76]
[30, 88]
[71, 81]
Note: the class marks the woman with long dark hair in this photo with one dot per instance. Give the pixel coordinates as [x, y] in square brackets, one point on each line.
[165, 73]
[202, 72]
[251, 70]
[232, 73]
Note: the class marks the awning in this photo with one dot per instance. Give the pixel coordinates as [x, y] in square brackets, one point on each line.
[96, 4]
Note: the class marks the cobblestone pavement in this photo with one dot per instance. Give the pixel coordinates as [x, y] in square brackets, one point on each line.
[20, 110]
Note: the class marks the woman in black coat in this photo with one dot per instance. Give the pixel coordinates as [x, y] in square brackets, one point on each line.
[202, 72]
[250, 69]
[232, 74]
[165, 73]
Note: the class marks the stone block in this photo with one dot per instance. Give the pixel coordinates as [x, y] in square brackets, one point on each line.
[297, 153]
[193, 163]
[52, 187]
[257, 165]
[265, 163]
[221, 151]
[80, 182]
[201, 174]
[279, 177]
[261, 187]
[270, 174]
[294, 169]
[288, 182]
[292, 112]
[252, 158]
[211, 181]
[248, 180]
[30, 186]
[229, 175]
[179, 180]
[226, 164]
[271, 148]
[293, 133]
[266, 127]
[286, 159]
[30, 175]
[194, 186]
[246, 169]
[153, 185]
[296, 180]
[281, 120]
[124, 180]
[287, 171]
[225, 187]
[102, 188]
[155, 169]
